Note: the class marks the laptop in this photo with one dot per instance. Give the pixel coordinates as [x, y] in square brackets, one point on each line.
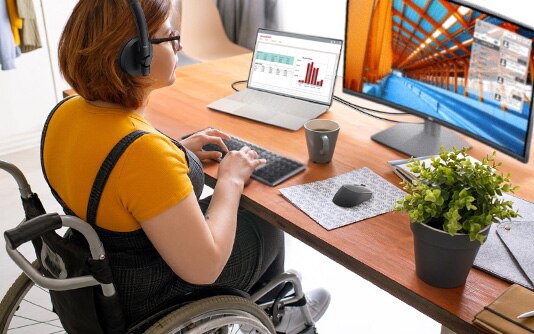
[291, 80]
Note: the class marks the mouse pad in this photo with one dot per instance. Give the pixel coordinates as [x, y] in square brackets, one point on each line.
[315, 198]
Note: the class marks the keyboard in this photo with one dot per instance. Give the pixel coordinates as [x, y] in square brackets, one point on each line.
[277, 169]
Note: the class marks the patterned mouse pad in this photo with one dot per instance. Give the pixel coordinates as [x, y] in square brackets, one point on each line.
[315, 198]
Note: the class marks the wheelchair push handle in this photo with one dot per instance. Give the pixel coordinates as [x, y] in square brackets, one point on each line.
[24, 187]
[32, 229]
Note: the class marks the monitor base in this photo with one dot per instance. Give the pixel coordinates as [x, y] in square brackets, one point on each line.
[420, 139]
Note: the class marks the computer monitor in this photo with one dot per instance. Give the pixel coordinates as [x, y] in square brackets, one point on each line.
[449, 62]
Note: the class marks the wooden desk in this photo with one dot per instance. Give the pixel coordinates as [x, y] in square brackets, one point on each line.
[379, 249]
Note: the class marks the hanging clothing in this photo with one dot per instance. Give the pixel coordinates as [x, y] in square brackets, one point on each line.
[8, 50]
[16, 21]
[242, 18]
[30, 38]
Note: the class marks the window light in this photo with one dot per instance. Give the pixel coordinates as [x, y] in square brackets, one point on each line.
[467, 41]
[463, 10]
[449, 22]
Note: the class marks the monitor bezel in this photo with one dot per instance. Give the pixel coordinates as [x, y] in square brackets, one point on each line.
[291, 34]
[523, 158]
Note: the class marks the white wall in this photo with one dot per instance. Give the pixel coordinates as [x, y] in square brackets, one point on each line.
[56, 15]
[314, 17]
[23, 93]
[27, 93]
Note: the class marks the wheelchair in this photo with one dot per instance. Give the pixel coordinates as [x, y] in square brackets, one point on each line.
[209, 310]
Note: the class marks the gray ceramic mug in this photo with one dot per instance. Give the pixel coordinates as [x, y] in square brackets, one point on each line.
[321, 137]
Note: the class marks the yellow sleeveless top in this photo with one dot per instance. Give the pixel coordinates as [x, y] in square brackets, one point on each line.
[150, 177]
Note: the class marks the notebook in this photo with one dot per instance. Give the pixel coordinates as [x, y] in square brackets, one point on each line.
[500, 317]
[291, 80]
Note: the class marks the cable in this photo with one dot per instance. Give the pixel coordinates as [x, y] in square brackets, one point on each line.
[237, 82]
[351, 105]
[402, 113]
[358, 108]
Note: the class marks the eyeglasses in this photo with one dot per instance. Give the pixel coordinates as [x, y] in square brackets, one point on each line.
[174, 37]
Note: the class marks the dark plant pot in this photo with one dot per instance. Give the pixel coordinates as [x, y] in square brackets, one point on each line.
[442, 260]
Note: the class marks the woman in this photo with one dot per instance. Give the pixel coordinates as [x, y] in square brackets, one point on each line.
[161, 240]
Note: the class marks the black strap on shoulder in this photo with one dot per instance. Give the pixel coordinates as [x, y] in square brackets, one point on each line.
[102, 175]
[43, 135]
[105, 170]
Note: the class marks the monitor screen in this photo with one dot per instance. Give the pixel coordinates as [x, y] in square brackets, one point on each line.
[295, 65]
[446, 61]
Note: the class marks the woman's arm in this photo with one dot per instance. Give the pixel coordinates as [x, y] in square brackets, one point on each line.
[195, 246]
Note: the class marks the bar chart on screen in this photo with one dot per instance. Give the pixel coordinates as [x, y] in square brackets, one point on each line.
[306, 72]
[312, 73]
[304, 67]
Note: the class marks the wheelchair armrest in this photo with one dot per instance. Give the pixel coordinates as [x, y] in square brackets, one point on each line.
[32, 229]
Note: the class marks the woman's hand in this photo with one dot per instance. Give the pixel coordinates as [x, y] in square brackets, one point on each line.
[237, 166]
[196, 141]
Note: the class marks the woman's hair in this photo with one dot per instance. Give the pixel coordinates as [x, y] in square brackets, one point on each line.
[90, 44]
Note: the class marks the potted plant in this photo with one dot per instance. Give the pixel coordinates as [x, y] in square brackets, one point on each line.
[451, 206]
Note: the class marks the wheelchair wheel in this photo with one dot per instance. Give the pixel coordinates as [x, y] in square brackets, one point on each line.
[26, 308]
[216, 315]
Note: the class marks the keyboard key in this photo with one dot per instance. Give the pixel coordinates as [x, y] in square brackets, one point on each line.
[276, 170]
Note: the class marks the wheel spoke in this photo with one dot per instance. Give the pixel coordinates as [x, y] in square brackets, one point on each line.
[25, 304]
[44, 308]
[35, 322]
[45, 290]
[61, 331]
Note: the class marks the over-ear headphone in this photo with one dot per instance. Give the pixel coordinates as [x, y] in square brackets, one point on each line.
[136, 55]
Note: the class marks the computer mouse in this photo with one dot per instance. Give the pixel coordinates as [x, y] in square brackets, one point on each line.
[350, 195]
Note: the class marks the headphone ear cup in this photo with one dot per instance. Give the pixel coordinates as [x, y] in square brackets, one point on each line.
[129, 58]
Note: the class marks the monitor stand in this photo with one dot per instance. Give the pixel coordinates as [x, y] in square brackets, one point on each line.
[420, 139]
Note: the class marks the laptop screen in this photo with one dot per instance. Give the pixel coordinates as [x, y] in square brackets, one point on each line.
[295, 65]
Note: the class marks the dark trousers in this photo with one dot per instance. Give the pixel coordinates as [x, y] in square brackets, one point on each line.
[257, 255]
[146, 284]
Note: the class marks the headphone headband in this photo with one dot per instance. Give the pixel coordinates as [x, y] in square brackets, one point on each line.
[136, 55]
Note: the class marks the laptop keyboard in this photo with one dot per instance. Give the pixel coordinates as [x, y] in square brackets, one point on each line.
[277, 169]
[273, 103]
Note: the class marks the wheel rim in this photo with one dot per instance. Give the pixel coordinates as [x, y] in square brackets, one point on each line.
[32, 313]
[237, 326]
[234, 322]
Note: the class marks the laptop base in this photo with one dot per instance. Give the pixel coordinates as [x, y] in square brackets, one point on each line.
[282, 111]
